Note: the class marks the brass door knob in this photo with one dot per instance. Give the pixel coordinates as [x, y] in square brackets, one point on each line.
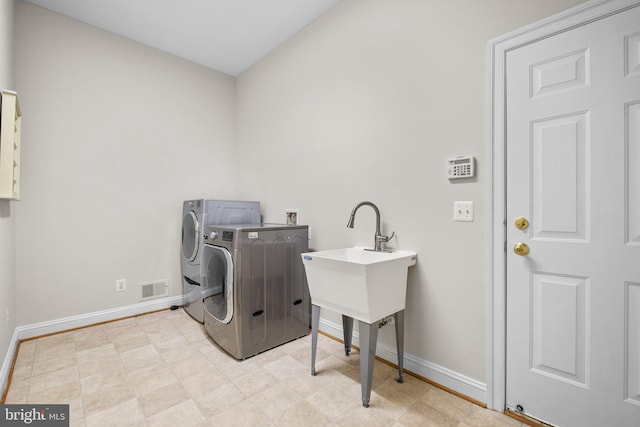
[521, 249]
[521, 223]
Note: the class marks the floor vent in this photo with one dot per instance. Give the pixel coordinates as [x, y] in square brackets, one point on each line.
[158, 288]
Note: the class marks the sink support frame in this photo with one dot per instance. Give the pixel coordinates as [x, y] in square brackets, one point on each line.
[368, 342]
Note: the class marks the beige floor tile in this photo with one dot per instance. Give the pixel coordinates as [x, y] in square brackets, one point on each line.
[219, 399]
[50, 365]
[242, 414]
[369, 417]
[203, 344]
[206, 380]
[185, 413]
[394, 398]
[54, 379]
[62, 392]
[18, 391]
[126, 414]
[232, 368]
[22, 372]
[447, 403]
[95, 383]
[104, 351]
[103, 390]
[480, 417]
[194, 334]
[422, 415]
[179, 354]
[90, 337]
[286, 367]
[188, 366]
[100, 359]
[26, 351]
[149, 378]
[65, 350]
[162, 398]
[254, 382]
[76, 412]
[54, 341]
[124, 344]
[140, 357]
[170, 342]
[303, 413]
[303, 354]
[269, 356]
[305, 384]
[333, 401]
[275, 400]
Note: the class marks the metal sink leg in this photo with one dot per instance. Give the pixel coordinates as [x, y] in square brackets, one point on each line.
[368, 342]
[399, 322]
[315, 324]
[347, 332]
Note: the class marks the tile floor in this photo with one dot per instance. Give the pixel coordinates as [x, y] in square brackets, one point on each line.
[161, 369]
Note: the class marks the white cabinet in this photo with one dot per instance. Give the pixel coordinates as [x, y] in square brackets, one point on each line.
[9, 146]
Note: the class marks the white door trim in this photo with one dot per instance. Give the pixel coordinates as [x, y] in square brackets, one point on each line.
[495, 277]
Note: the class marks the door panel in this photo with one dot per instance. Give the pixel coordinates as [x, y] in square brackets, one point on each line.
[559, 177]
[633, 172]
[559, 328]
[632, 376]
[573, 147]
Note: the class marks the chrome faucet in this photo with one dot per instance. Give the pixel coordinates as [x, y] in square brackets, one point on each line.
[379, 238]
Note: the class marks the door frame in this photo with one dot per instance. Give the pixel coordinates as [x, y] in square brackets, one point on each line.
[495, 247]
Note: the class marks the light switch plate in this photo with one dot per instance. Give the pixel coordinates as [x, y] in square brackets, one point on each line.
[463, 211]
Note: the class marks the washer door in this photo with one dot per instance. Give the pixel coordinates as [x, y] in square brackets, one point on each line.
[217, 282]
[190, 236]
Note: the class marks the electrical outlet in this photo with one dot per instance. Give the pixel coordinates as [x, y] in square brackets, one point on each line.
[121, 285]
[292, 216]
[463, 211]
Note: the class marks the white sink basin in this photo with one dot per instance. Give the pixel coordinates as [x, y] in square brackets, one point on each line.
[358, 283]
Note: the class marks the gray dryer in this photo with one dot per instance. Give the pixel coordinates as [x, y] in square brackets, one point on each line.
[257, 295]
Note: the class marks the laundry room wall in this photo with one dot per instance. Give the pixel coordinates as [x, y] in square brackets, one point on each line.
[7, 208]
[115, 136]
[367, 104]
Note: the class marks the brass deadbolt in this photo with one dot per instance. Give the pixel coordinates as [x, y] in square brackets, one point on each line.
[521, 223]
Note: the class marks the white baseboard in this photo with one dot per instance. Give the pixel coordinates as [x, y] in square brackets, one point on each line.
[446, 377]
[58, 325]
[73, 322]
[8, 361]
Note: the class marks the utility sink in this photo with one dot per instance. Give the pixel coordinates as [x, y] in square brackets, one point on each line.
[359, 283]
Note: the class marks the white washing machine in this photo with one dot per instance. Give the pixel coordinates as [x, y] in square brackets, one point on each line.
[196, 214]
[257, 295]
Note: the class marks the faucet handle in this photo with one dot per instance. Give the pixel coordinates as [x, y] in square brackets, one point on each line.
[385, 239]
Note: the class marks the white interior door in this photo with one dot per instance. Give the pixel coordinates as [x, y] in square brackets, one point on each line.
[573, 171]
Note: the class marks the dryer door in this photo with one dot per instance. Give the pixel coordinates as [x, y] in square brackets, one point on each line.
[190, 236]
[217, 282]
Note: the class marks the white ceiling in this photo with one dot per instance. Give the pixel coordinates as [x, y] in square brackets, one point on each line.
[226, 35]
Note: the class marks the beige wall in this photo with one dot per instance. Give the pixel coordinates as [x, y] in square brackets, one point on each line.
[7, 208]
[115, 136]
[367, 104]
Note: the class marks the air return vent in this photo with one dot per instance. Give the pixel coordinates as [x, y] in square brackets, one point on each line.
[155, 289]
